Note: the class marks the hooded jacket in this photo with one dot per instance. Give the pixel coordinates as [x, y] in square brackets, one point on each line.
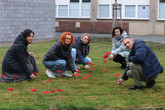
[142, 54]
[119, 48]
[82, 50]
[58, 52]
[15, 58]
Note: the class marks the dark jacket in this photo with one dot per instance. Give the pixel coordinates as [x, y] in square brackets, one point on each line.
[58, 52]
[82, 50]
[15, 58]
[142, 54]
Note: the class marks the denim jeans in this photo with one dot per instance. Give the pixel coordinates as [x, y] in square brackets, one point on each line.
[86, 60]
[59, 64]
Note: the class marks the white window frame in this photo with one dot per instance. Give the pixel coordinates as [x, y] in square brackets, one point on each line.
[99, 12]
[159, 12]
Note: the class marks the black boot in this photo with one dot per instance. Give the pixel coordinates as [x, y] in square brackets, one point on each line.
[134, 87]
[150, 84]
[123, 66]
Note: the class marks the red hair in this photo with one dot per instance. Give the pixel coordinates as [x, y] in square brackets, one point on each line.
[63, 36]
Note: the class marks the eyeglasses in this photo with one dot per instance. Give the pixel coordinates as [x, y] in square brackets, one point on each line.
[68, 38]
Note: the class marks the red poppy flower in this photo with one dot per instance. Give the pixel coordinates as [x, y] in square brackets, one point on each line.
[68, 56]
[59, 71]
[108, 53]
[53, 90]
[11, 89]
[0, 62]
[37, 58]
[106, 56]
[77, 74]
[104, 69]
[48, 80]
[33, 89]
[14, 76]
[46, 92]
[105, 61]
[163, 72]
[77, 71]
[94, 68]
[93, 64]
[85, 48]
[84, 78]
[2, 75]
[121, 41]
[88, 75]
[117, 74]
[89, 63]
[60, 90]
[35, 73]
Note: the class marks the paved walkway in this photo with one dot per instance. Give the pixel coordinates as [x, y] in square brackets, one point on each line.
[158, 39]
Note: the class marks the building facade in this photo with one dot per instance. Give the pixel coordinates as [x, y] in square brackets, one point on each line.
[18, 15]
[139, 17]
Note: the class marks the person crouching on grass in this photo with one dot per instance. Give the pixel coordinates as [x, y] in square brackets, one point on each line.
[61, 57]
[143, 64]
[19, 64]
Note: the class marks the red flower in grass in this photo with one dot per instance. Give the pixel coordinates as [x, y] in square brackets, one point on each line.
[117, 74]
[14, 76]
[0, 62]
[163, 72]
[94, 68]
[60, 90]
[121, 41]
[89, 63]
[104, 69]
[58, 71]
[77, 71]
[35, 73]
[37, 58]
[84, 78]
[53, 90]
[2, 75]
[105, 61]
[108, 53]
[46, 92]
[105, 56]
[11, 89]
[88, 75]
[48, 80]
[77, 74]
[33, 90]
[60, 74]
[93, 64]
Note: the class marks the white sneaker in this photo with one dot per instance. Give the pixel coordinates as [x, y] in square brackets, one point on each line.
[66, 74]
[77, 67]
[50, 73]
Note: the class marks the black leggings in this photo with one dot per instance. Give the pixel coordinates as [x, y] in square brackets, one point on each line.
[119, 59]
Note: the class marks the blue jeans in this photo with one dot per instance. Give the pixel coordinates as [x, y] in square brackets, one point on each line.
[86, 60]
[59, 64]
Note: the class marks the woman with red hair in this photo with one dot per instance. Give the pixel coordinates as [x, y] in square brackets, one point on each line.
[61, 57]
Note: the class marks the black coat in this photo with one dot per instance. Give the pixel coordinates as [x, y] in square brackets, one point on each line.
[82, 50]
[15, 58]
[58, 52]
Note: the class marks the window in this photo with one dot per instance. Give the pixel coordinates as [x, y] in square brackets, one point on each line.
[103, 10]
[74, 8]
[86, 8]
[130, 11]
[143, 11]
[63, 10]
[162, 9]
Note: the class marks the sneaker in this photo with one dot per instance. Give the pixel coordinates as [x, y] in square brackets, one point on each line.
[50, 73]
[77, 67]
[134, 87]
[66, 74]
[150, 84]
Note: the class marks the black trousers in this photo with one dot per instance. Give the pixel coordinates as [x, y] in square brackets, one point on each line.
[119, 59]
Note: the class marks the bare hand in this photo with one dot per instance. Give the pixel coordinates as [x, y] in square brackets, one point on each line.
[87, 66]
[111, 57]
[76, 74]
[31, 54]
[32, 76]
[120, 81]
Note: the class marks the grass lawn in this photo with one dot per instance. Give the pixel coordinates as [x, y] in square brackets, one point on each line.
[100, 91]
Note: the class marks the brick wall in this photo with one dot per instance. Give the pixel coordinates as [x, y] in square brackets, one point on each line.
[17, 15]
[90, 27]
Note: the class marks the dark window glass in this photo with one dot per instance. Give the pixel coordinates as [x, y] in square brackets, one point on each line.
[74, 0]
[162, 1]
[86, 0]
